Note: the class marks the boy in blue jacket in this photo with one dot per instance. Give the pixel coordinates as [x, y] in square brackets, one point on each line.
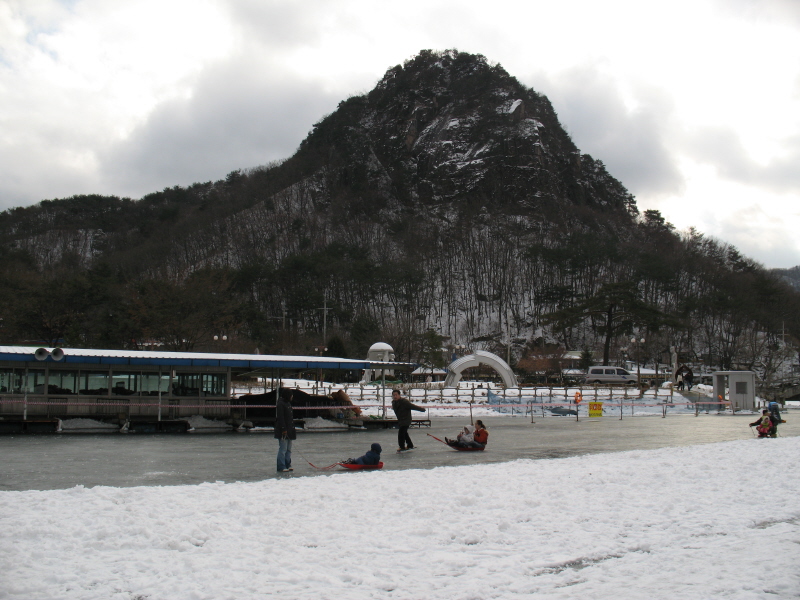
[372, 457]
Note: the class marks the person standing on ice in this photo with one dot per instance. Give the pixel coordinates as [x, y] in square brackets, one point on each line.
[688, 379]
[284, 432]
[402, 409]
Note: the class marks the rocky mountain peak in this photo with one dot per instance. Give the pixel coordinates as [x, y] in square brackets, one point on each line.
[450, 127]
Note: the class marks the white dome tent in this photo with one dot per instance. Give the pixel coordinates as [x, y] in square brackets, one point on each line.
[379, 352]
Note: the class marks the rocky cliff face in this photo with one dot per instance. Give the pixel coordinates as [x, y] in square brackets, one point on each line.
[449, 127]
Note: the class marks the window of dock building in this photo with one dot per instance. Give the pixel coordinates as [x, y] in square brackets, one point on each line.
[153, 383]
[34, 381]
[125, 384]
[200, 384]
[94, 383]
[136, 383]
[16, 381]
[11, 380]
[62, 382]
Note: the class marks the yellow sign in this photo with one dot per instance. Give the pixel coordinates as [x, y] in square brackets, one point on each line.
[595, 409]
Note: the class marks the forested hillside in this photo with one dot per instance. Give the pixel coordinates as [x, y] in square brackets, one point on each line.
[445, 207]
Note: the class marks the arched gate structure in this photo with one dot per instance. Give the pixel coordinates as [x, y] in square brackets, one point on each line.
[479, 357]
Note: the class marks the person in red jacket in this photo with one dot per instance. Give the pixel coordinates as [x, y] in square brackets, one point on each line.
[481, 436]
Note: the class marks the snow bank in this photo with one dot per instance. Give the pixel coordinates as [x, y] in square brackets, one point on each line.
[80, 424]
[709, 521]
[199, 422]
[320, 423]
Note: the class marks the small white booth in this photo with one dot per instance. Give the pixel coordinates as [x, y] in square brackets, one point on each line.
[379, 352]
[740, 387]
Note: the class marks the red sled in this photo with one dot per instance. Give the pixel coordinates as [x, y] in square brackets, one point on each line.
[459, 448]
[463, 449]
[354, 467]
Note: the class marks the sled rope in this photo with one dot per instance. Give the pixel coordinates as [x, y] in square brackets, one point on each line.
[438, 440]
[328, 468]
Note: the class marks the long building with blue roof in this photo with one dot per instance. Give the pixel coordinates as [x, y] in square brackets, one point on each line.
[81, 382]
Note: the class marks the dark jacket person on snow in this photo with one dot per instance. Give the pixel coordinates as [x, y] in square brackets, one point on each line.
[285, 432]
[402, 409]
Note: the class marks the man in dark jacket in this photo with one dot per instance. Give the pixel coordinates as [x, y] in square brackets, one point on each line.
[284, 431]
[402, 409]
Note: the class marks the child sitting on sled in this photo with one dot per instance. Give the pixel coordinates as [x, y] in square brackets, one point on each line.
[372, 457]
[764, 424]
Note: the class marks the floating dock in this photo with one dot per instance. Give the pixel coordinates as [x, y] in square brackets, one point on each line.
[29, 425]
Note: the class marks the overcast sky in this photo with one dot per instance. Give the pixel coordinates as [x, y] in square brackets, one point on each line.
[693, 104]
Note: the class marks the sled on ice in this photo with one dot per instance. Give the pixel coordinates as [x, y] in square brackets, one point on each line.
[459, 448]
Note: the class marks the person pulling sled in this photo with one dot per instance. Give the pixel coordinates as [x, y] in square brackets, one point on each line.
[402, 409]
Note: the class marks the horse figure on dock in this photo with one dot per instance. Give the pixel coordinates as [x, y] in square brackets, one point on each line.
[261, 407]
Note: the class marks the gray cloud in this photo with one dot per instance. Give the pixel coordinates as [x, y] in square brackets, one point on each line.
[769, 241]
[236, 118]
[35, 171]
[723, 149]
[633, 144]
[279, 25]
[777, 10]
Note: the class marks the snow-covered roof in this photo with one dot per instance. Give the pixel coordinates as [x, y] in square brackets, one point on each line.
[381, 346]
[428, 371]
[165, 358]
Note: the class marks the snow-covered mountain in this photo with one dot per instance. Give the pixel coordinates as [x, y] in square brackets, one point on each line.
[447, 201]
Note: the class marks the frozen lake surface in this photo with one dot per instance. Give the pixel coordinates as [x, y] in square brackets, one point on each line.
[58, 461]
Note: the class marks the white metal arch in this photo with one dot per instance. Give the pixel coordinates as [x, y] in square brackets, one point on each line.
[479, 357]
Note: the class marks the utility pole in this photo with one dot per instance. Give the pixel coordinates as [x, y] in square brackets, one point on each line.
[282, 319]
[637, 341]
[325, 310]
[508, 336]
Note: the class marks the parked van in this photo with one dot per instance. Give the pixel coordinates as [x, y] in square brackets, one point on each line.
[605, 374]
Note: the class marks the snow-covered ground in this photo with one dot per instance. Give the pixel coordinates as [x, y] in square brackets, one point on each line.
[709, 521]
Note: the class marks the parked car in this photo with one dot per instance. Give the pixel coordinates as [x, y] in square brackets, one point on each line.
[609, 375]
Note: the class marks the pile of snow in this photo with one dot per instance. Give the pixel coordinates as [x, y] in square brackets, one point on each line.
[320, 423]
[708, 521]
[198, 422]
[705, 389]
[81, 424]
